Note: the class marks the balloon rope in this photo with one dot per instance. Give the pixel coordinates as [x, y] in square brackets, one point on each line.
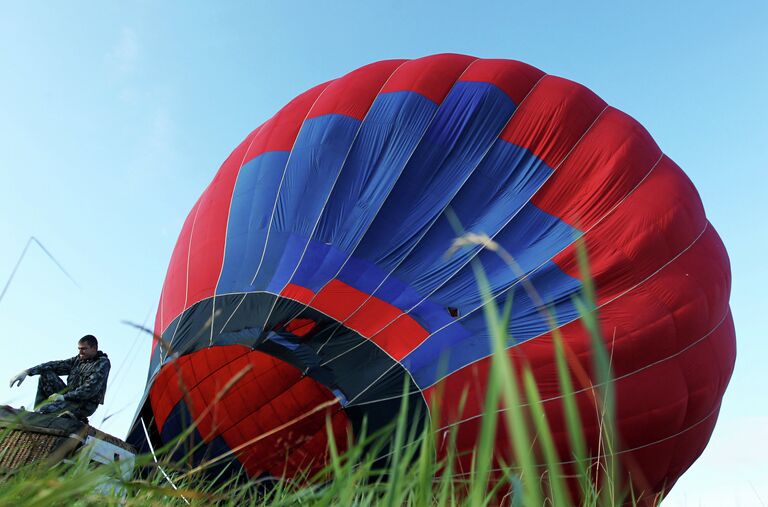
[21, 257]
[154, 457]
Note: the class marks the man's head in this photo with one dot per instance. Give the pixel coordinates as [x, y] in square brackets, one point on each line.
[88, 346]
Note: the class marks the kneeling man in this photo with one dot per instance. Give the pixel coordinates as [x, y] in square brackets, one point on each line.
[86, 384]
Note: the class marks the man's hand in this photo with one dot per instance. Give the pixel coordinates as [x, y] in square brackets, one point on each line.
[55, 397]
[18, 378]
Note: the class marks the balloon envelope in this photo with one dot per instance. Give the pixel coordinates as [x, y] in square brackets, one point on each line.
[311, 279]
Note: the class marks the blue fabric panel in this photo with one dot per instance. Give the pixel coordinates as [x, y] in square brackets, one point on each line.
[290, 247]
[251, 209]
[466, 340]
[390, 132]
[465, 127]
[362, 275]
[320, 264]
[531, 238]
[504, 181]
[315, 162]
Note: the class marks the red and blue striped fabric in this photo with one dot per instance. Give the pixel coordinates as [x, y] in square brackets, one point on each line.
[337, 213]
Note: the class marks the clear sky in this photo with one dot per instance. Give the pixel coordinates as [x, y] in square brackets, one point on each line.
[114, 117]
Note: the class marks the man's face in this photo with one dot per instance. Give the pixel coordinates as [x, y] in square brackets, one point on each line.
[86, 351]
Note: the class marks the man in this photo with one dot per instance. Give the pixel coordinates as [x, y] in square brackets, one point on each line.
[86, 384]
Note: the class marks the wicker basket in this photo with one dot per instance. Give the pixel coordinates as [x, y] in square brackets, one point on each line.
[30, 437]
[23, 446]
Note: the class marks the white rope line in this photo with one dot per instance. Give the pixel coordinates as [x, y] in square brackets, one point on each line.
[116, 382]
[245, 294]
[189, 248]
[379, 400]
[253, 136]
[186, 282]
[351, 401]
[154, 457]
[30, 240]
[162, 314]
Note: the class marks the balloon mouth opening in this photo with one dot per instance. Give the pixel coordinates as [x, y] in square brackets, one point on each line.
[253, 390]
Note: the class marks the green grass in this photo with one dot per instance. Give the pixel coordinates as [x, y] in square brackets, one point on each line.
[412, 474]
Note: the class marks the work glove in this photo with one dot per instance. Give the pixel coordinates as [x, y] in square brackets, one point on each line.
[55, 397]
[18, 378]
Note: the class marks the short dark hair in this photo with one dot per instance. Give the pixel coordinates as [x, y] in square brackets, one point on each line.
[90, 340]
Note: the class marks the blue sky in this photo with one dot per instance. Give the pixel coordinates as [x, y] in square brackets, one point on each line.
[113, 118]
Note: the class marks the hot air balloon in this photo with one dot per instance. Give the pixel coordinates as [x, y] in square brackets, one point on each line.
[312, 272]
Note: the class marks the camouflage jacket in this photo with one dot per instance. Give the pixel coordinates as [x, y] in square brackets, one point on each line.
[86, 379]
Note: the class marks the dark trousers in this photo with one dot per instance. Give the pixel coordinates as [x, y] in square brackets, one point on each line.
[50, 384]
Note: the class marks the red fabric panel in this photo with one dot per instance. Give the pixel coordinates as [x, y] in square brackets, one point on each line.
[607, 164]
[339, 301]
[653, 224]
[300, 327]
[280, 427]
[209, 232]
[179, 376]
[431, 76]
[174, 292]
[678, 309]
[353, 94]
[373, 316]
[268, 395]
[312, 454]
[552, 118]
[401, 337]
[297, 293]
[514, 78]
